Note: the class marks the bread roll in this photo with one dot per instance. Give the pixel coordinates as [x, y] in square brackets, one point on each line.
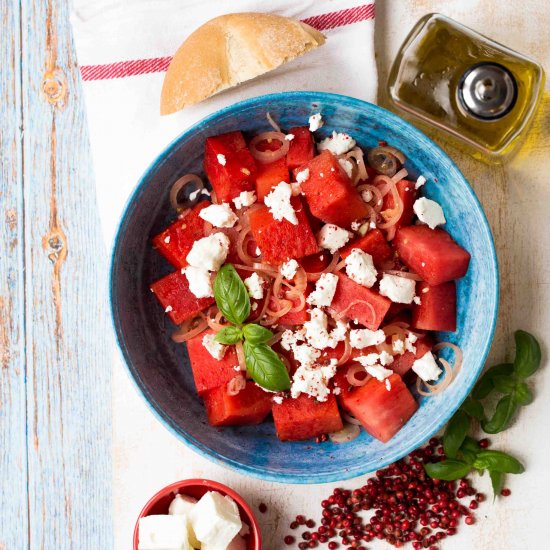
[229, 50]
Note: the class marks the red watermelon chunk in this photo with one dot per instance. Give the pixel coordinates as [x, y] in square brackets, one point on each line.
[305, 417]
[407, 193]
[269, 176]
[381, 412]
[354, 299]
[175, 242]
[282, 240]
[177, 300]
[301, 148]
[209, 372]
[403, 363]
[431, 253]
[250, 406]
[373, 243]
[437, 308]
[330, 193]
[239, 171]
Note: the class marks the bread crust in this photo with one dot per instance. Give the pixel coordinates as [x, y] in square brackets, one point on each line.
[231, 49]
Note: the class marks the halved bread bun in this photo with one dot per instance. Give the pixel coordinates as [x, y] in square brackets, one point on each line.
[230, 49]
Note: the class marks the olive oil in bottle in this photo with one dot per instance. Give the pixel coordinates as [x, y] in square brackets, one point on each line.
[479, 92]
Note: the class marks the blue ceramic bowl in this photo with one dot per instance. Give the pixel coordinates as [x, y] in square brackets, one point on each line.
[160, 368]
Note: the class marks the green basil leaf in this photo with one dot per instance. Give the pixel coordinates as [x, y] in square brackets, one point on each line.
[504, 383]
[474, 408]
[504, 412]
[528, 354]
[485, 385]
[455, 432]
[468, 450]
[265, 367]
[229, 335]
[497, 461]
[447, 470]
[231, 295]
[256, 334]
[522, 394]
[496, 482]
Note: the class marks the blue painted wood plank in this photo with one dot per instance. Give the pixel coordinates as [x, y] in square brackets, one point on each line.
[13, 442]
[67, 327]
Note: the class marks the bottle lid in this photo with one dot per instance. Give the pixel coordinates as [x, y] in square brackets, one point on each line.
[487, 91]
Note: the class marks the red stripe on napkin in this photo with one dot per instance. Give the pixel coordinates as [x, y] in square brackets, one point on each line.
[135, 67]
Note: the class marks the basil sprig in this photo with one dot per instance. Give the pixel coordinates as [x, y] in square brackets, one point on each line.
[262, 363]
[462, 452]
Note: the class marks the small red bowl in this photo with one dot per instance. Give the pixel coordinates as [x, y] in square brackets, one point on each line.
[159, 504]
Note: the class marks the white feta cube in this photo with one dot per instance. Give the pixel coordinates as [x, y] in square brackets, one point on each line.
[427, 368]
[315, 122]
[163, 532]
[219, 215]
[288, 269]
[209, 252]
[429, 212]
[338, 144]
[200, 282]
[254, 285]
[360, 268]
[245, 198]
[325, 288]
[363, 338]
[214, 348]
[181, 505]
[278, 202]
[313, 381]
[398, 289]
[379, 372]
[332, 237]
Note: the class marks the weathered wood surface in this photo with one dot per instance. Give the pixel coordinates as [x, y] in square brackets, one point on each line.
[57, 449]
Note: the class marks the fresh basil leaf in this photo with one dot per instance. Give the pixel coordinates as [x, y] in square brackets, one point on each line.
[522, 394]
[229, 335]
[504, 383]
[256, 334]
[447, 470]
[474, 408]
[455, 432]
[485, 385]
[231, 295]
[528, 354]
[504, 412]
[265, 367]
[468, 450]
[496, 482]
[497, 461]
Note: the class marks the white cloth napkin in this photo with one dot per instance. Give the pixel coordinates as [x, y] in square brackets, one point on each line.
[124, 47]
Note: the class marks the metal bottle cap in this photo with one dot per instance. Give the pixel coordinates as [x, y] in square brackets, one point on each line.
[487, 91]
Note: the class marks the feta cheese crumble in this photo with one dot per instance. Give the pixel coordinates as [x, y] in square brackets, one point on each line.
[379, 372]
[360, 268]
[302, 175]
[289, 137]
[168, 309]
[398, 289]
[325, 289]
[305, 355]
[384, 358]
[398, 346]
[332, 237]
[221, 159]
[200, 282]
[278, 399]
[254, 285]
[209, 252]
[288, 269]
[289, 338]
[316, 331]
[427, 368]
[420, 182]
[315, 122]
[409, 342]
[313, 381]
[338, 144]
[417, 300]
[388, 384]
[429, 212]
[167, 239]
[347, 166]
[245, 198]
[215, 349]
[219, 215]
[363, 338]
[366, 195]
[278, 202]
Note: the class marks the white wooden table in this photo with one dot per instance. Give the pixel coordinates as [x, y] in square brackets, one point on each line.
[68, 479]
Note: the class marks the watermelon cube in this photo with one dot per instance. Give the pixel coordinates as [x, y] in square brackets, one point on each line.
[301, 147]
[250, 406]
[373, 243]
[431, 253]
[175, 242]
[178, 301]
[229, 165]
[305, 417]
[282, 240]
[403, 363]
[209, 372]
[407, 193]
[437, 308]
[359, 303]
[382, 412]
[329, 192]
[270, 175]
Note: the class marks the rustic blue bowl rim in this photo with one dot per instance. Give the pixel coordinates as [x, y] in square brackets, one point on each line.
[205, 451]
